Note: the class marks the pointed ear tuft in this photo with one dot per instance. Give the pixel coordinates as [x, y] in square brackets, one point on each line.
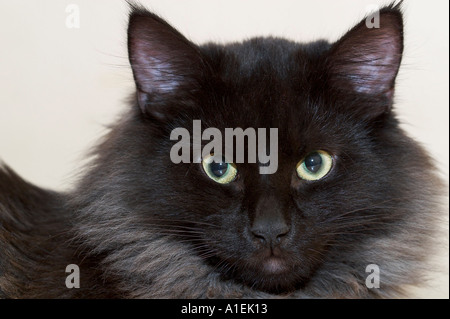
[366, 60]
[165, 64]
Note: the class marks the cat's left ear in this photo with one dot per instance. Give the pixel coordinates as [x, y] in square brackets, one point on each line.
[366, 60]
[167, 67]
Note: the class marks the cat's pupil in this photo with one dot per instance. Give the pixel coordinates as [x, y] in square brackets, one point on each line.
[313, 162]
[218, 169]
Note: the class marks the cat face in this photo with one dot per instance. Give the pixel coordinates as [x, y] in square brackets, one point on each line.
[338, 164]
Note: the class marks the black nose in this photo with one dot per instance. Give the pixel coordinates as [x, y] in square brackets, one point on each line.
[269, 223]
[270, 234]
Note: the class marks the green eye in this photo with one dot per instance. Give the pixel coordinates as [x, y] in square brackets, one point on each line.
[314, 166]
[222, 172]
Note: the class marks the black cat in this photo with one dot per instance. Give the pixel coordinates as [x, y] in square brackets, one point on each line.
[351, 189]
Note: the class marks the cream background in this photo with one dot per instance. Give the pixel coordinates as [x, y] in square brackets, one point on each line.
[59, 86]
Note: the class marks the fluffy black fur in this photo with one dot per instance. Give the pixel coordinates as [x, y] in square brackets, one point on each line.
[140, 226]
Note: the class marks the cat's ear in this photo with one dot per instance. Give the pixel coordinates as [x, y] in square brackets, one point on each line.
[166, 66]
[366, 60]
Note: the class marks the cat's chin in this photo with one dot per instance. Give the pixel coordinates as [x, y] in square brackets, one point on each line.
[270, 273]
[274, 265]
[276, 274]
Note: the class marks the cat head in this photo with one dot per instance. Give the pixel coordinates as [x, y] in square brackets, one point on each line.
[343, 164]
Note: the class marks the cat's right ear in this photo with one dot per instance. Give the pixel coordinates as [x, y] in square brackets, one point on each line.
[166, 66]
